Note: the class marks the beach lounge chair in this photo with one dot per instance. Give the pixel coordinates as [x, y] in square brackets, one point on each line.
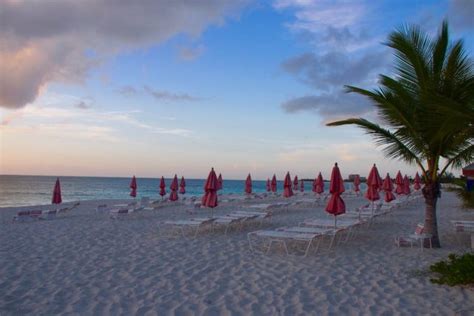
[254, 216]
[284, 238]
[344, 226]
[195, 225]
[27, 216]
[418, 237]
[120, 213]
[65, 210]
[48, 215]
[101, 208]
[229, 221]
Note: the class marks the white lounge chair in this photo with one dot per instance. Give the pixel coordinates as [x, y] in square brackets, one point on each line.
[48, 215]
[182, 226]
[229, 221]
[284, 238]
[101, 208]
[27, 216]
[119, 213]
[418, 237]
[344, 225]
[67, 209]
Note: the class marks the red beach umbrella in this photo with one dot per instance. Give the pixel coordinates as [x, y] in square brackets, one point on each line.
[133, 186]
[336, 205]
[301, 185]
[274, 184]
[295, 183]
[219, 182]
[162, 187]
[209, 198]
[399, 183]
[417, 182]
[174, 189]
[248, 184]
[269, 185]
[406, 185]
[182, 186]
[319, 184]
[357, 184]
[373, 184]
[57, 199]
[287, 191]
[388, 187]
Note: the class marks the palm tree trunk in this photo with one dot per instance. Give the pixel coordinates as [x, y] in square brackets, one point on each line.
[431, 192]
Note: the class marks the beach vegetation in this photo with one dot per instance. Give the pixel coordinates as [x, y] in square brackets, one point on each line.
[457, 270]
[425, 109]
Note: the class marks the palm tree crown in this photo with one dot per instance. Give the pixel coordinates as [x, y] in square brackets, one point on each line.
[427, 109]
[428, 106]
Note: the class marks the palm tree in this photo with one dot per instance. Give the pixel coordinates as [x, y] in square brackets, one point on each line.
[426, 109]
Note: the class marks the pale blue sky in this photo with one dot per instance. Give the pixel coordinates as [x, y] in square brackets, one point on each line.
[167, 87]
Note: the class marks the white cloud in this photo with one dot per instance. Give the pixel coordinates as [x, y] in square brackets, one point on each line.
[61, 40]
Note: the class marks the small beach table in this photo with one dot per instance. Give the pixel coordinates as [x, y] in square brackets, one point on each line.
[465, 226]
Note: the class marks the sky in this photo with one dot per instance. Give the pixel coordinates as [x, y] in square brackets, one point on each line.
[151, 88]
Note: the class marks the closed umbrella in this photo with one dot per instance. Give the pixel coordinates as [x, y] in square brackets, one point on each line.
[295, 183]
[209, 199]
[356, 184]
[274, 184]
[319, 184]
[219, 182]
[182, 186]
[248, 184]
[162, 187]
[406, 185]
[336, 205]
[373, 184]
[133, 187]
[287, 190]
[399, 183]
[269, 185]
[302, 185]
[388, 187]
[57, 199]
[174, 189]
[417, 182]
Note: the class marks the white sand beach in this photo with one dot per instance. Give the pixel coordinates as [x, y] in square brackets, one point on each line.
[84, 263]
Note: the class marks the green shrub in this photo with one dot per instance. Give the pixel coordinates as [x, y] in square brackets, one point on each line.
[458, 270]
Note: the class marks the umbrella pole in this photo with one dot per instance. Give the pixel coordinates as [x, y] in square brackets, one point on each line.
[335, 221]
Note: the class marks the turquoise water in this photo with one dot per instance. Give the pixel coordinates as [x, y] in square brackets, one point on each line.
[34, 190]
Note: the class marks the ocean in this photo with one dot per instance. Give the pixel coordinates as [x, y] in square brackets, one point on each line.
[36, 190]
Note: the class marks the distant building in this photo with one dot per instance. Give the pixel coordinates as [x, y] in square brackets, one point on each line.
[468, 171]
[351, 178]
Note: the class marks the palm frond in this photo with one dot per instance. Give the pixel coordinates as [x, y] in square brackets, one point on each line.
[462, 158]
[392, 146]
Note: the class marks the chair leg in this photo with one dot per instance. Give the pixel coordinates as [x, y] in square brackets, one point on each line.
[307, 248]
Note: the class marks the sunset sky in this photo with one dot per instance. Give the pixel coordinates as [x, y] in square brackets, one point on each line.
[151, 88]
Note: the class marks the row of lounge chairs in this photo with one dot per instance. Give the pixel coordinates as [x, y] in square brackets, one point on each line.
[34, 215]
[192, 227]
[311, 233]
[307, 235]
